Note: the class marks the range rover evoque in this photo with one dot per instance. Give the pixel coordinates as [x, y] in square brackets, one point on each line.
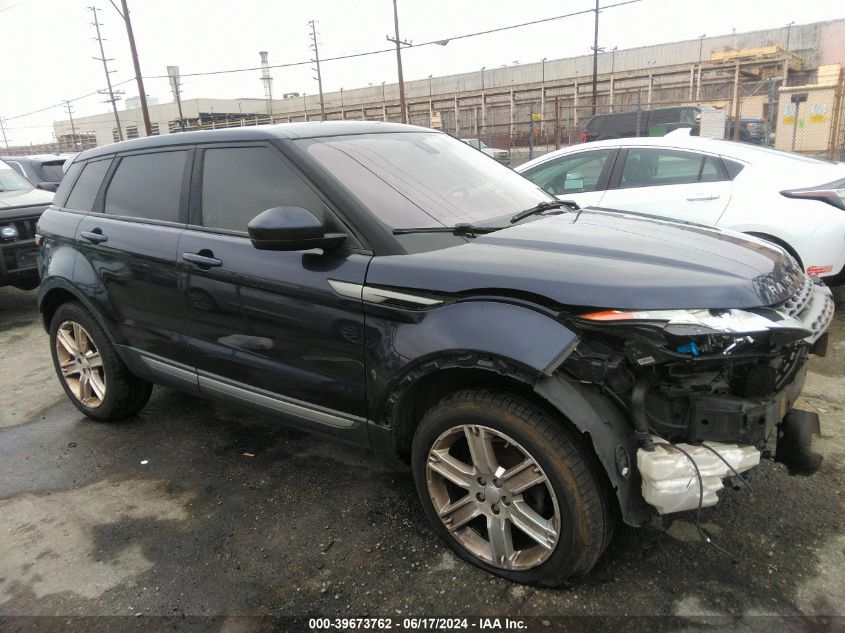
[546, 370]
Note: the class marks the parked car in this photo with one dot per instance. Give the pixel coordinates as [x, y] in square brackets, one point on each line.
[751, 130]
[44, 171]
[20, 207]
[653, 122]
[501, 155]
[544, 371]
[788, 199]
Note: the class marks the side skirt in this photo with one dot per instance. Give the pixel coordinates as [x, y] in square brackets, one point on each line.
[296, 413]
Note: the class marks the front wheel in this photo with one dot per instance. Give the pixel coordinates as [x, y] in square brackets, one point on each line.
[508, 488]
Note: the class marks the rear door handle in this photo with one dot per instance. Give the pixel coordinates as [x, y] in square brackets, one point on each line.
[203, 259]
[95, 237]
[704, 197]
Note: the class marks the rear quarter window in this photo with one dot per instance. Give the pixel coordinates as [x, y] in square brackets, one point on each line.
[87, 186]
[148, 186]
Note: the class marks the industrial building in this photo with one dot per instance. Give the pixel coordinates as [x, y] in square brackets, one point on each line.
[548, 102]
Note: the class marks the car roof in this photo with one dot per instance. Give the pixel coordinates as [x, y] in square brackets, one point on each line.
[281, 131]
[40, 159]
[675, 140]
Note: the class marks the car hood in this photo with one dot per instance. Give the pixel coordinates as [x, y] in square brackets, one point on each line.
[603, 259]
[24, 198]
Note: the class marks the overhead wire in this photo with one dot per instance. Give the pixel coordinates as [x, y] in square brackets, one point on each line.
[440, 41]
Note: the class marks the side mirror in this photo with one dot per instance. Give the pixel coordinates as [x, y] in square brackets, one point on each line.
[290, 229]
[48, 186]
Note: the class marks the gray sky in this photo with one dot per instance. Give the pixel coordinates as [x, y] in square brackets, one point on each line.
[48, 45]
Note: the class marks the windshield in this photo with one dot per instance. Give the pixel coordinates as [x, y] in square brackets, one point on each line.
[52, 171]
[10, 180]
[425, 179]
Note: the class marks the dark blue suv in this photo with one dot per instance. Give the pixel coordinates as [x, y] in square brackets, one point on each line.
[546, 370]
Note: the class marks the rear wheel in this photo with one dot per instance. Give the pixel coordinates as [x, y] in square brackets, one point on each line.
[508, 489]
[92, 374]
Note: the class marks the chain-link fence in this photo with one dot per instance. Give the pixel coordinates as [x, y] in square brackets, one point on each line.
[760, 96]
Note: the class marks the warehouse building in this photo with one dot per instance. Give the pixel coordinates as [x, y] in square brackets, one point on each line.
[548, 102]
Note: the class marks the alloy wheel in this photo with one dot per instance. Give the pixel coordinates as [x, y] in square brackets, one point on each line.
[80, 364]
[493, 497]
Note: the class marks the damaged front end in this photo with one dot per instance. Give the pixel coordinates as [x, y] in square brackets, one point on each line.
[704, 381]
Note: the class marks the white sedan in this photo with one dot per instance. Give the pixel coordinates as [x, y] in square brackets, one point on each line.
[789, 199]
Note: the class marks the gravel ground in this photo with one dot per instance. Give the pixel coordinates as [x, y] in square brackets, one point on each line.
[196, 508]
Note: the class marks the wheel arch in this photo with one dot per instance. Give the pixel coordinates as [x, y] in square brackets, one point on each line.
[780, 242]
[591, 418]
[56, 292]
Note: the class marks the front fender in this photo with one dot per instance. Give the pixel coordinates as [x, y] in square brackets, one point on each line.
[612, 437]
[400, 340]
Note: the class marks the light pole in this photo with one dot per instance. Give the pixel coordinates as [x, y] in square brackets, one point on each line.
[342, 111]
[700, 63]
[612, 74]
[542, 94]
[596, 59]
[398, 44]
[383, 103]
[786, 56]
[430, 102]
[483, 109]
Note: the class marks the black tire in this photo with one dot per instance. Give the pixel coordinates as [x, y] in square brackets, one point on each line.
[125, 393]
[586, 519]
[27, 285]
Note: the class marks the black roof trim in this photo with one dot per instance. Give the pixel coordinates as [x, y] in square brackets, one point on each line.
[280, 131]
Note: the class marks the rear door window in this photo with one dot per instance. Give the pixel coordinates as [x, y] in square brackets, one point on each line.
[148, 186]
[87, 186]
[651, 167]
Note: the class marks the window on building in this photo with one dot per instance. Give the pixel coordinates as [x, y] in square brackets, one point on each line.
[115, 135]
[154, 129]
[132, 132]
[148, 186]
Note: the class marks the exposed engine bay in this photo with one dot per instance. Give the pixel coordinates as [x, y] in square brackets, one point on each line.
[702, 377]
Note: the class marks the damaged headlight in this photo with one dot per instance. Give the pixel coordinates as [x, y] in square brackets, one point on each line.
[704, 322]
[653, 336]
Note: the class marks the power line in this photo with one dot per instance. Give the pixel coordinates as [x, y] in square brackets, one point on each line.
[439, 42]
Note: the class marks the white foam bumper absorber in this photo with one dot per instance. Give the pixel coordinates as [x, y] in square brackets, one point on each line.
[669, 480]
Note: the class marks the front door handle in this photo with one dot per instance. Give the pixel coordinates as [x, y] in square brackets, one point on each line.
[203, 259]
[704, 197]
[95, 236]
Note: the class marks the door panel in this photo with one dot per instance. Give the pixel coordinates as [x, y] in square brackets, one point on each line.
[270, 320]
[670, 183]
[698, 202]
[134, 277]
[128, 245]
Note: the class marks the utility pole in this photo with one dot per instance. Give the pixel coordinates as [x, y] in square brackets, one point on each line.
[399, 43]
[316, 60]
[112, 99]
[142, 95]
[3, 129]
[72, 126]
[786, 56]
[595, 58]
[267, 80]
[176, 88]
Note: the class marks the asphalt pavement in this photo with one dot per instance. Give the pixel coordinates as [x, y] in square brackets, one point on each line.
[196, 508]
